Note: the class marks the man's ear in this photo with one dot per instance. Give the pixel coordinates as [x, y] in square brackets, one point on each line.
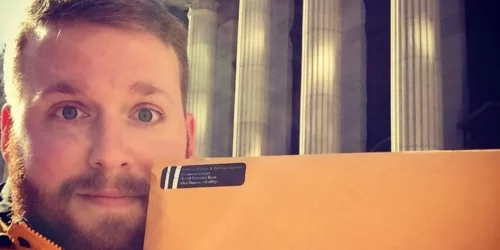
[191, 133]
[5, 130]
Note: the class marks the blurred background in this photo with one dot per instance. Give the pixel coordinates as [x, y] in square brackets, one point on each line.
[281, 77]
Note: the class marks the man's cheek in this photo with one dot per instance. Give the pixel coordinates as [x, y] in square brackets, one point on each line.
[158, 144]
[173, 147]
[55, 160]
[147, 154]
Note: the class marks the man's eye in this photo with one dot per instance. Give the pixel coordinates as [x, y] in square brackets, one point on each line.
[69, 113]
[147, 115]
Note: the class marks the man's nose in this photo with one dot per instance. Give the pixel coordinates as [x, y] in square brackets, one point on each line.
[108, 148]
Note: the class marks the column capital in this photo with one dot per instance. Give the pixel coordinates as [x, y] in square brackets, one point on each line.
[203, 4]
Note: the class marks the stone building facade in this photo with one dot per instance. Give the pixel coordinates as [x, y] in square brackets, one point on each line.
[274, 77]
[279, 77]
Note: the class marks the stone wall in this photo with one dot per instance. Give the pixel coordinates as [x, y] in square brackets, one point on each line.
[280, 77]
[225, 73]
[353, 77]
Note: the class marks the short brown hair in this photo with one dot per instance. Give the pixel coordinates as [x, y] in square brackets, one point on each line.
[150, 15]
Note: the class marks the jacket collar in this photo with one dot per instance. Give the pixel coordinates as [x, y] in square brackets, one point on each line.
[5, 203]
[20, 232]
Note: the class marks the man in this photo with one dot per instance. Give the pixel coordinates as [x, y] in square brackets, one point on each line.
[95, 93]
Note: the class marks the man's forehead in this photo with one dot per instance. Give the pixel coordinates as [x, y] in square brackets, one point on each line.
[47, 34]
[63, 34]
[73, 54]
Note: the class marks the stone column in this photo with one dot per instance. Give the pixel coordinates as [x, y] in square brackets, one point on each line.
[201, 53]
[333, 102]
[320, 108]
[252, 79]
[416, 85]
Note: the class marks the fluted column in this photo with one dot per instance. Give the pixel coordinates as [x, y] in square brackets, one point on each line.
[252, 79]
[201, 52]
[416, 85]
[320, 92]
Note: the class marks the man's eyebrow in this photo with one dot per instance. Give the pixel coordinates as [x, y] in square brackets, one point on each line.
[66, 88]
[147, 89]
[62, 87]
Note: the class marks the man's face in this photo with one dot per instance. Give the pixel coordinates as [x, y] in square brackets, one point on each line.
[98, 108]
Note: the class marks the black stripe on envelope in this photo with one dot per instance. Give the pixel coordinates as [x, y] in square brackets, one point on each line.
[203, 176]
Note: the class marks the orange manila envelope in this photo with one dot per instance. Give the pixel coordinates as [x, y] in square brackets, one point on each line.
[366, 201]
